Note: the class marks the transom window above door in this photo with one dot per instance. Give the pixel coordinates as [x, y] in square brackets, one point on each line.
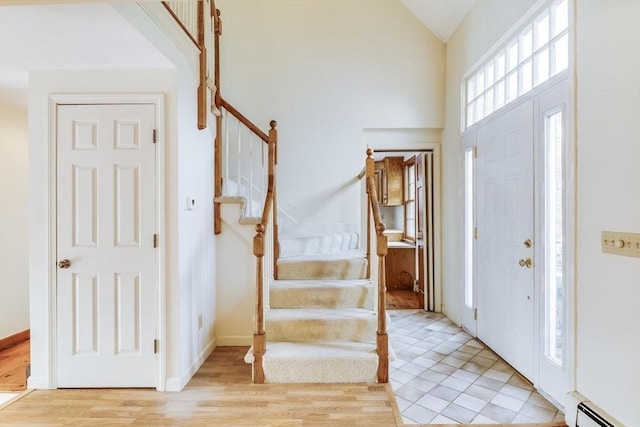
[531, 57]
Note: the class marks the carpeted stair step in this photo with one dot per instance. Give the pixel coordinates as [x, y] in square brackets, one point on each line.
[319, 362]
[321, 324]
[321, 293]
[317, 244]
[334, 265]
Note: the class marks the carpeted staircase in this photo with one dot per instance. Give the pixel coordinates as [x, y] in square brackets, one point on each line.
[321, 325]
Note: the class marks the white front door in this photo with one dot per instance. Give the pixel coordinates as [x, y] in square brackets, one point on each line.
[504, 248]
[107, 298]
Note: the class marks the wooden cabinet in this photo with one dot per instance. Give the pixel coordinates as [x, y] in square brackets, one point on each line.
[400, 267]
[389, 175]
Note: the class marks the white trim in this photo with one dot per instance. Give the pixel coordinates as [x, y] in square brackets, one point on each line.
[383, 145]
[178, 383]
[103, 99]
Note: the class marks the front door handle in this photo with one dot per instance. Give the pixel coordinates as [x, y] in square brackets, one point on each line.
[526, 263]
[65, 263]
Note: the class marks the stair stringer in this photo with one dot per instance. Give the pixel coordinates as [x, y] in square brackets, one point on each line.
[244, 217]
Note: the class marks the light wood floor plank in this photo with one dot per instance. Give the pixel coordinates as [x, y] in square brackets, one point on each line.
[220, 394]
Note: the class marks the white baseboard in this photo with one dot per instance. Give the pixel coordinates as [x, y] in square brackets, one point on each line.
[235, 341]
[39, 383]
[178, 383]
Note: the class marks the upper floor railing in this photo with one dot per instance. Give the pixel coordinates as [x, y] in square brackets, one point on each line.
[193, 17]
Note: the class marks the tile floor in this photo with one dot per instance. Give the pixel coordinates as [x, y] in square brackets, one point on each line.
[442, 375]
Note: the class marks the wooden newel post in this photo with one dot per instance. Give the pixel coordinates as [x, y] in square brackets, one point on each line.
[259, 338]
[217, 149]
[370, 170]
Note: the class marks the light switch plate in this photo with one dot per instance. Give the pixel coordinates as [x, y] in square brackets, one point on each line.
[620, 243]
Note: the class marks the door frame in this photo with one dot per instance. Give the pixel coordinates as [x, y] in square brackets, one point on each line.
[562, 81]
[390, 146]
[96, 99]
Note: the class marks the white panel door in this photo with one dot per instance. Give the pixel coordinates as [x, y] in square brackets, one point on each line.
[504, 255]
[107, 295]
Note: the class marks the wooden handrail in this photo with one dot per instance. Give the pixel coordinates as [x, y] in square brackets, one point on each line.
[242, 119]
[179, 21]
[362, 173]
[382, 340]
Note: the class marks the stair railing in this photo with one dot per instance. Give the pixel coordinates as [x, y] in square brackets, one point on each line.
[266, 233]
[189, 14]
[245, 159]
[376, 235]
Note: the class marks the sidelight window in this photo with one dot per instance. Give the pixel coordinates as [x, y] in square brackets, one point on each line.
[555, 282]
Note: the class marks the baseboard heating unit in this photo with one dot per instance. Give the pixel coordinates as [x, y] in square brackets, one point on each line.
[583, 413]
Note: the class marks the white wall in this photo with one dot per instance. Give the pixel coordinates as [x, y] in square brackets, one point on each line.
[14, 272]
[487, 21]
[327, 70]
[608, 286]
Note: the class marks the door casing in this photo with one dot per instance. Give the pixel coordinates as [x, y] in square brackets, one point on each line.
[560, 82]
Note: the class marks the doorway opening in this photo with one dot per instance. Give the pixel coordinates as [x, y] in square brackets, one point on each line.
[406, 184]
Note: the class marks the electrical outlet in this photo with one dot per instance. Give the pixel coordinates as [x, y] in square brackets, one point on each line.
[200, 321]
[620, 243]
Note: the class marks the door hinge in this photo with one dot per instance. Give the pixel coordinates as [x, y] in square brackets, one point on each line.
[155, 136]
[475, 233]
[155, 240]
[475, 152]
[155, 346]
[475, 314]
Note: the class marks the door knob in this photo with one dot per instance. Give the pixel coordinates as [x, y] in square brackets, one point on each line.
[65, 263]
[526, 263]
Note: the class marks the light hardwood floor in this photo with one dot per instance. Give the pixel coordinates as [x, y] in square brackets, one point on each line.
[220, 394]
[13, 363]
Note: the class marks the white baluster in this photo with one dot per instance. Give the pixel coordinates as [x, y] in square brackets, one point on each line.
[250, 201]
[226, 152]
[239, 158]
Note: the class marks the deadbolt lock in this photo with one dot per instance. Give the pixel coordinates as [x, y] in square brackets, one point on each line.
[528, 243]
[526, 263]
[65, 263]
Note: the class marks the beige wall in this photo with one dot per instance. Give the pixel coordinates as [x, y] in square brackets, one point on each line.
[14, 271]
[608, 139]
[326, 70]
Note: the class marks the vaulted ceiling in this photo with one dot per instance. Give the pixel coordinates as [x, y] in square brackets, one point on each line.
[46, 38]
[442, 17]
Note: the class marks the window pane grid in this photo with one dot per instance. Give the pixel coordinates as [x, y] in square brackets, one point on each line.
[537, 53]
